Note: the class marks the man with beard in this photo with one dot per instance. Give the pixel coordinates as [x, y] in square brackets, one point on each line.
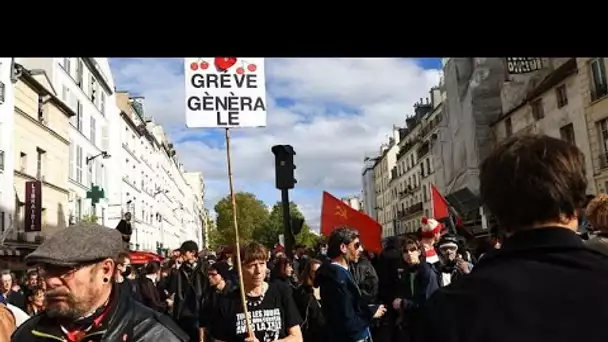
[83, 303]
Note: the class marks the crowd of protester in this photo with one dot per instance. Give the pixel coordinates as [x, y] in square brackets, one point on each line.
[536, 277]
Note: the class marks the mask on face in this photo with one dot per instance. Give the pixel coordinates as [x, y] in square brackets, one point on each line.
[127, 271]
[323, 251]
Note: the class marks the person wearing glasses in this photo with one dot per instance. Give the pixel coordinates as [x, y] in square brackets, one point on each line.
[451, 264]
[348, 315]
[220, 284]
[83, 303]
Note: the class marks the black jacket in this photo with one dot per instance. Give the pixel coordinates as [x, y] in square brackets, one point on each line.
[543, 285]
[189, 286]
[313, 324]
[129, 321]
[366, 278]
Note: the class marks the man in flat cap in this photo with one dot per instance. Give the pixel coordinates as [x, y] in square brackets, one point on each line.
[83, 302]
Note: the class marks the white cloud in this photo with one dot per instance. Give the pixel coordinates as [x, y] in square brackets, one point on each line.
[341, 109]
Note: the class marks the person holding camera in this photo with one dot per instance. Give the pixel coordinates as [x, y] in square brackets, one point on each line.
[451, 262]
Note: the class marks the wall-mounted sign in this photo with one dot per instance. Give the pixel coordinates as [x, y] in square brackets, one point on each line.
[523, 65]
[33, 206]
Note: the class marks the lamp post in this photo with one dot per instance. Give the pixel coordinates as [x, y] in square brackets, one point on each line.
[96, 192]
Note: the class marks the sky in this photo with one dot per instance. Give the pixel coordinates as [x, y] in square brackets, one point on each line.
[334, 112]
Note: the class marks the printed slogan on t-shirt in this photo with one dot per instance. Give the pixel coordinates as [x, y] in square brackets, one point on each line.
[225, 92]
[264, 321]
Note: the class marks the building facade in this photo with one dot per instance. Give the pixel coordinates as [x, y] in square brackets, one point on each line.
[383, 176]
[7, 127]
[41, 150]
[353, 202]
[151, 185]
[200, 230]
[86, 86]
[553, 105]
[369, 188]
[406, 186]
[593, 88]
[464, 137]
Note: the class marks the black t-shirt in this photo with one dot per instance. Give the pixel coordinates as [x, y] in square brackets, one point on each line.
[270, 319]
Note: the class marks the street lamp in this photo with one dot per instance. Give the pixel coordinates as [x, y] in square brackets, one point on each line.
[103, 154]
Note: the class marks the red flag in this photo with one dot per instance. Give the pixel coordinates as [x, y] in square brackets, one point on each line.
[335, 213]
[441, 207]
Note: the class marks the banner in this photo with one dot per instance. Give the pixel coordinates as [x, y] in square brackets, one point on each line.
[335, 213]
[523, 65]
[33, 206]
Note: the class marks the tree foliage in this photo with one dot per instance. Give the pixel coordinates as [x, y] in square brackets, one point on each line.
[307, 237]
[269, 233]
[252, 215]
[89, 218]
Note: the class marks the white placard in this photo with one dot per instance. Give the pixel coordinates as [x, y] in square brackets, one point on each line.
[225, 92]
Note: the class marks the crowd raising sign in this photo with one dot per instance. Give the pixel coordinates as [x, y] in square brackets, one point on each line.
[225, 92]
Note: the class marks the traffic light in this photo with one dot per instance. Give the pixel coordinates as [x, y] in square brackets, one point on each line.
[284, 166]
[296, 225]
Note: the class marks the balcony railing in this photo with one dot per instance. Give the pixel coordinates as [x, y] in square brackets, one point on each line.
[424, 148]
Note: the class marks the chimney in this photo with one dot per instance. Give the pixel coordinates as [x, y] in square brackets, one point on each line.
[427, 100]
[421, 100]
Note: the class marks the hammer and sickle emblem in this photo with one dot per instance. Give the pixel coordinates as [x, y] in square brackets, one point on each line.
[340, 211]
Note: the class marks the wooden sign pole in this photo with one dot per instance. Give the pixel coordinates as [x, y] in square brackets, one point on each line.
[236, 234]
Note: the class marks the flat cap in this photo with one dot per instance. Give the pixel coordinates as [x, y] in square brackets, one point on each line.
[77, 245]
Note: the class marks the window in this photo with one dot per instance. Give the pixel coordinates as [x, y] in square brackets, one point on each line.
[92, 88]
[508, 127]
[105, 142]
[67, 65]
[102, 103]
[603, 128]
[22, 162]
[40, 109]
[79, 73]
[1, 160]
[428, 166]
[89, 170]
[78, 209]
[567, 133]
[93, 135]
[79, 161]
[598, 85]
[79, 115]
[72, 156]
[40, 154]
[561, 95]
[65, 95]
[537, 109]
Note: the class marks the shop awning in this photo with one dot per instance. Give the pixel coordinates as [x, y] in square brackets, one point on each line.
[141, 257]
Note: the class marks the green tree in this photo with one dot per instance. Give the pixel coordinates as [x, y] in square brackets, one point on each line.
[268, 234]
[307, 237]
[251, 216]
